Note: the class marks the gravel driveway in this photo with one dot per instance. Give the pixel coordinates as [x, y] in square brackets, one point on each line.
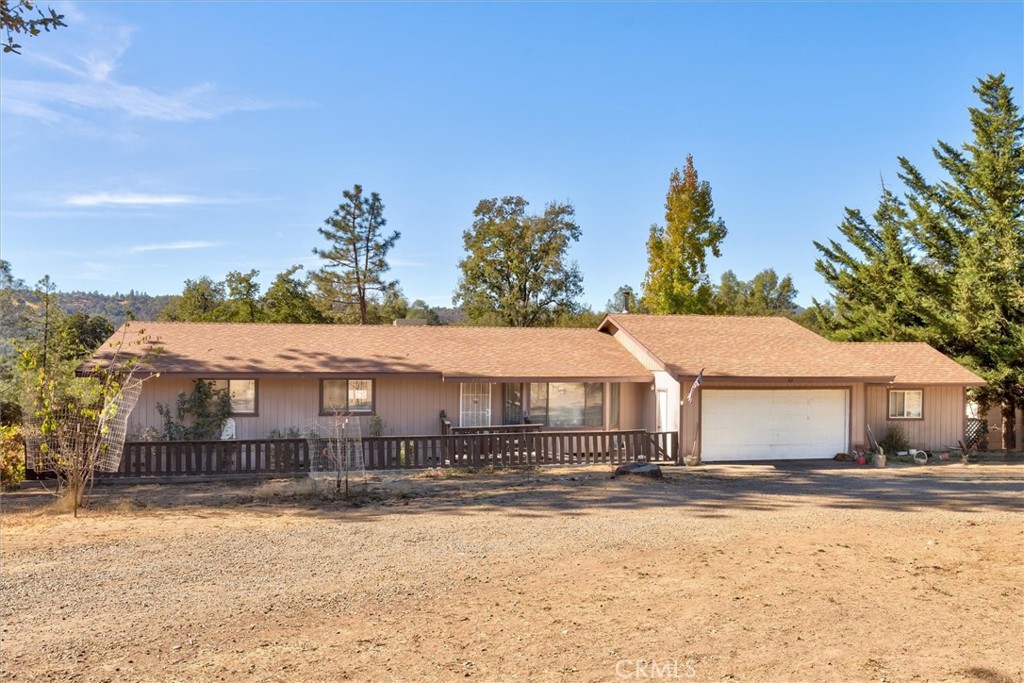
[744, 573]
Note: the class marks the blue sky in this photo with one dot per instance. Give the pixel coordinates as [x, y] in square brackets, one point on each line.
[148, 143]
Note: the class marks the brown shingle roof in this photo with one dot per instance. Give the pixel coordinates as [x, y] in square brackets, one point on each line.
[453, 352]
[913, 363]
[735, 346]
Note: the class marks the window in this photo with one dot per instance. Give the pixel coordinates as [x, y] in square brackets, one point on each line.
[905, 404]
[512, 400]
[567, 404]
[242, 393]
[346, 396]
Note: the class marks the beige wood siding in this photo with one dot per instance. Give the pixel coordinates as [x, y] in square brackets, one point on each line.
[632, 396]
[155, 390]
[410, 406]
[943, 421]
[858, 415]
[639, 352]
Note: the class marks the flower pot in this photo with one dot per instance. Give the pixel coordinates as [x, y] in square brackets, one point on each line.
[920, 458]
[861, 460]
[943, 456]
[879, 459]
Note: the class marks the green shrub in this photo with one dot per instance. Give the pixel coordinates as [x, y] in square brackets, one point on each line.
[12, 457]
[201, 414]
[895, 440]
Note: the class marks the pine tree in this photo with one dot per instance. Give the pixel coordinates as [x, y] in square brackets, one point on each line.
[676, 279]
[356, 260]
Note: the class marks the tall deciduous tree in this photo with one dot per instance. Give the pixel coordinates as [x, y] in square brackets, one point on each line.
[198, 302]
[288, 300]
[676, 279]
[515, 270]
[243, 300]
[356, 260]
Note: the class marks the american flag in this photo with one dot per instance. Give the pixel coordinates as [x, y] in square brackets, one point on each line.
[696, 385]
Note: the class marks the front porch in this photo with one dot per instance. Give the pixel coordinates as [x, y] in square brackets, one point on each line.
[482, 448]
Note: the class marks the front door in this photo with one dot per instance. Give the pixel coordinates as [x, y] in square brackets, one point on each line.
[475, 404]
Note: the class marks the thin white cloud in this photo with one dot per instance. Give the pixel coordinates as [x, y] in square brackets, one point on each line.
[45, 99]
[91, 86]
[172, 246]
[136, 199]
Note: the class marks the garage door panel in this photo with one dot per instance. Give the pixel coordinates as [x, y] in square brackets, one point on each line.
[740, 424]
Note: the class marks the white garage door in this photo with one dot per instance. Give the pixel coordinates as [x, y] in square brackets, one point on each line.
[774, 424]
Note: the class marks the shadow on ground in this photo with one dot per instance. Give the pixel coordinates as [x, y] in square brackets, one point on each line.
[705, 492]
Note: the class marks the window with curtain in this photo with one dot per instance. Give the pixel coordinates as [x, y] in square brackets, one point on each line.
[567, 404]
[346, 396]
[242, 393]
[906, 404]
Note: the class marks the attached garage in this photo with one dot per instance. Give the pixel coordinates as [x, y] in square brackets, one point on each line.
[774, 424]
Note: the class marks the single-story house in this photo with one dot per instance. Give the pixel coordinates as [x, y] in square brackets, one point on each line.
[770, 388]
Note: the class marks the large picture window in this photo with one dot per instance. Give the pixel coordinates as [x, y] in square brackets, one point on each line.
[242, 393]
[567, 404]
[906, 404]
[346, 396]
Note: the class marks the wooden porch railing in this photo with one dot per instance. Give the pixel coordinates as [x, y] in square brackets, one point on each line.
[502, 449]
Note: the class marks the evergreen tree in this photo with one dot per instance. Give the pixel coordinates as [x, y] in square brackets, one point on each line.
[356, 258]
[875, 280]
[970, 231]
[676, 279]
[85, 333]
[515, 271]
[947, 265]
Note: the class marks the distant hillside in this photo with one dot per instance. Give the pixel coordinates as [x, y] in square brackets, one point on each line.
[115, 307]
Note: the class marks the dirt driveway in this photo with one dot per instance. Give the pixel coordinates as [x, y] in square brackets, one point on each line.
[721, 573]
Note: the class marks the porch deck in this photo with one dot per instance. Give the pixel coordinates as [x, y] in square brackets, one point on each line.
[501, 449]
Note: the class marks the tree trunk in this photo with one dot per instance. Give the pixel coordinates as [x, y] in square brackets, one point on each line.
[1009, 411]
